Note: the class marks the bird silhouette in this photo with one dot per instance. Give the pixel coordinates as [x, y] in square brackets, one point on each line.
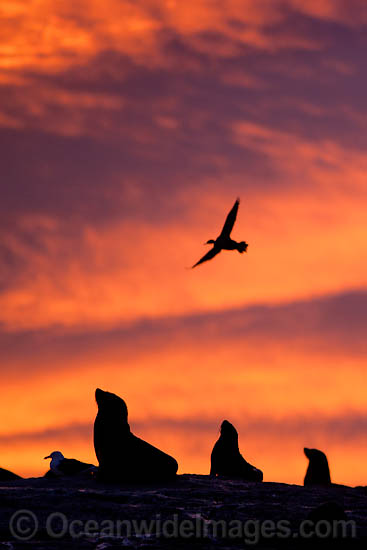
[61, 466]
[224, 241]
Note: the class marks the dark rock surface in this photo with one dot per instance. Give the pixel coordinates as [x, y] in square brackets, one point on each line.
[85, 514]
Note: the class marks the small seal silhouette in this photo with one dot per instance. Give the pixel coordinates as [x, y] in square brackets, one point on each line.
[318, 472]
[226, 459]
[121, 455]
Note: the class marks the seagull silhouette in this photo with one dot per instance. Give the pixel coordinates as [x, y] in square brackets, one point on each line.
[60, 465]
[224, 241]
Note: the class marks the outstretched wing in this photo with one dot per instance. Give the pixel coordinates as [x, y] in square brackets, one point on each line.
[231, 218]
[213, 252]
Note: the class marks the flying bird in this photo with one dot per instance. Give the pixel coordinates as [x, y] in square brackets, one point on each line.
[224, 241]
[62, 466]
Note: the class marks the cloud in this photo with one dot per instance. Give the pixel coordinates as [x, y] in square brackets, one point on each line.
[331, 327]
[352, 13]
[343, 428]
[75, 32]
[136, 29]
[67, 270]
[53, 434]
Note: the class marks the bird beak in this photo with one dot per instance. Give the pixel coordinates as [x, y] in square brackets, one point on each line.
[47, 457]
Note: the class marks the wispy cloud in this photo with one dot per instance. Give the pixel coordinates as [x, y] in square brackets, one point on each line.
[332, 326]
[344, 428]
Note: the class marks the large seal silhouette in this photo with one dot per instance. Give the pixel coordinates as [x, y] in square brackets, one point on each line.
[121, 455]
[226, 459]
[318, 472]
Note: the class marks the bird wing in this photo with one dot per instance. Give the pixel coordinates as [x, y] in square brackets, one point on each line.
[208, 256]
[231, 218]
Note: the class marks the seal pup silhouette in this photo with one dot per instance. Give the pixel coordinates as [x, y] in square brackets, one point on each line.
[318, 472]
[226, 459]
[121, 455]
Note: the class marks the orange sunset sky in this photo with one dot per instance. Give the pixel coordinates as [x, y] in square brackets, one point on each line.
[127, 130]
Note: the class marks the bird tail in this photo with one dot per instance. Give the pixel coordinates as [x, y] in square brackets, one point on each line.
[242, 247]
